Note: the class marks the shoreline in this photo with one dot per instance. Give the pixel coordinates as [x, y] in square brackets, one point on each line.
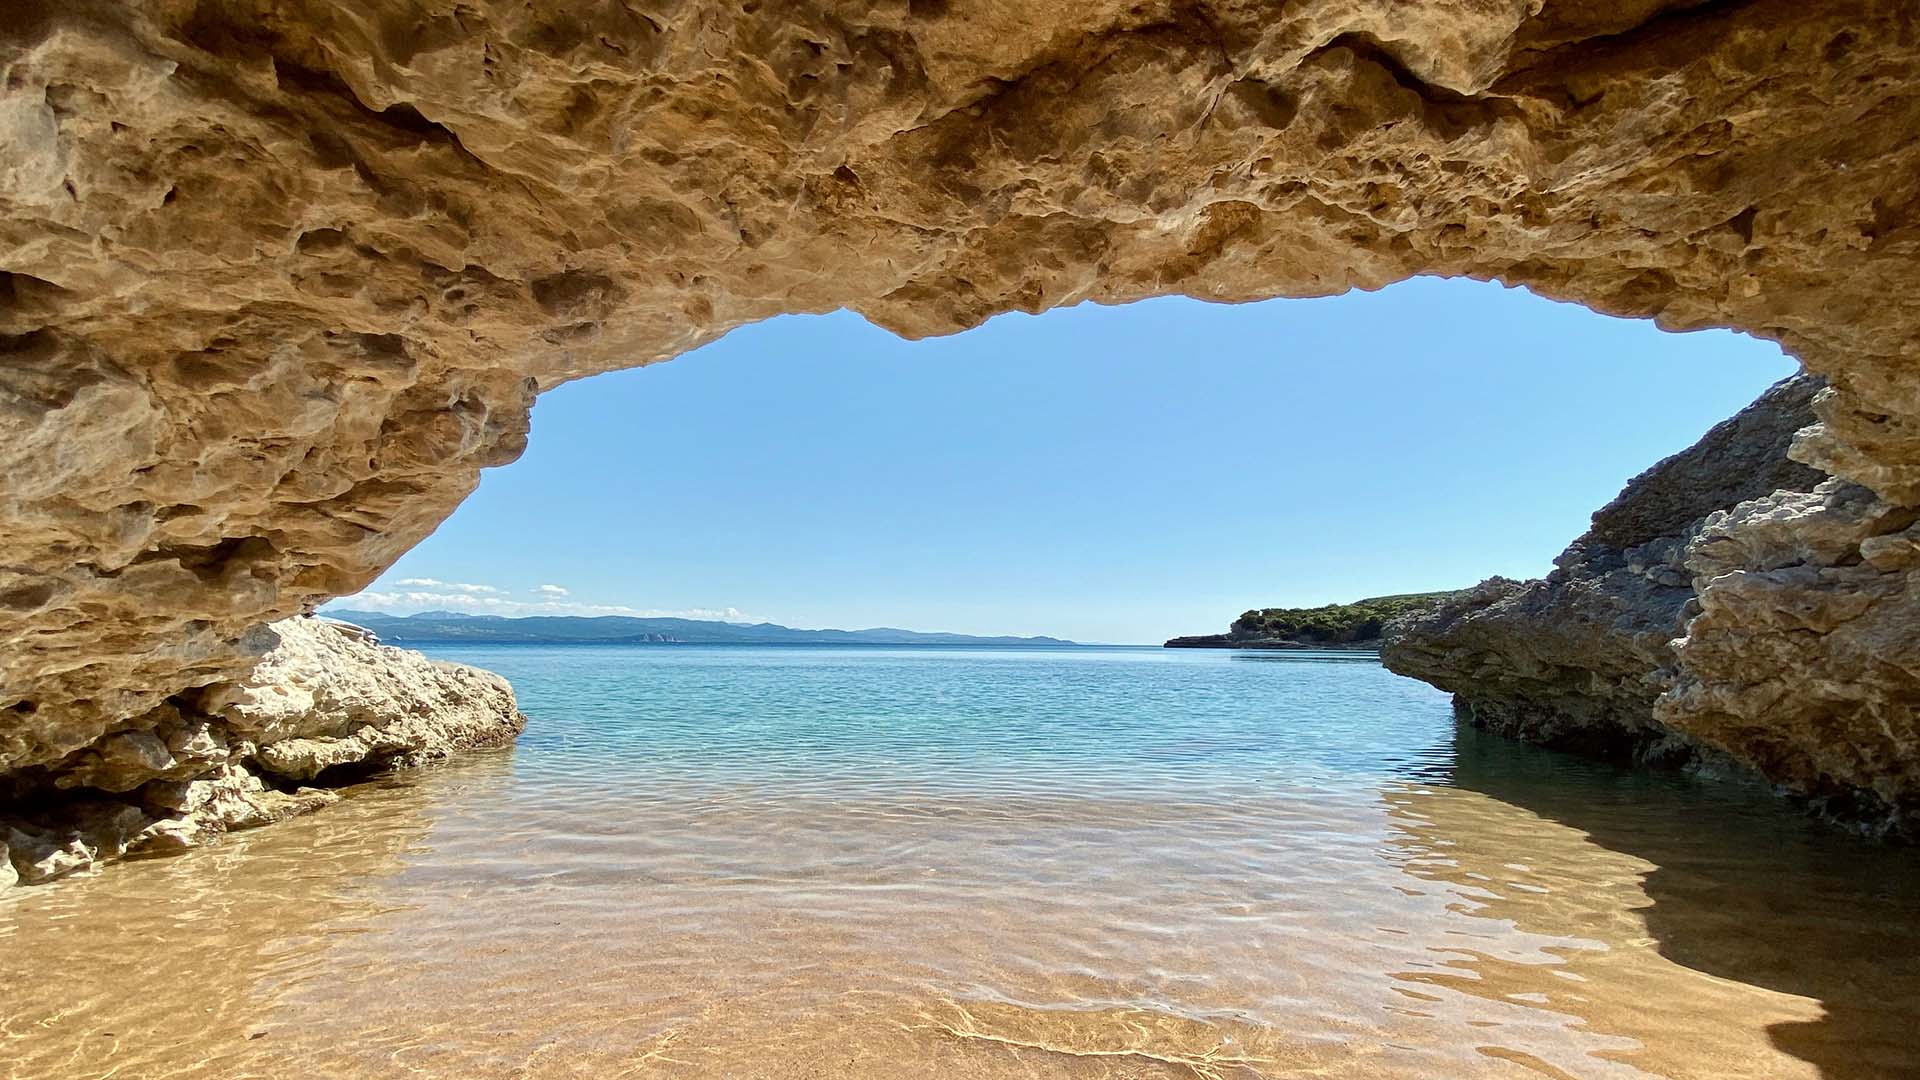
[1223, 641]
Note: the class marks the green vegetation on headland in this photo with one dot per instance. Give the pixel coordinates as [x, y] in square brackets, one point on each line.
[1354, 625]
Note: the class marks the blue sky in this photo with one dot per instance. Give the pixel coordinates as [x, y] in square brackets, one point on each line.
[1117, 474]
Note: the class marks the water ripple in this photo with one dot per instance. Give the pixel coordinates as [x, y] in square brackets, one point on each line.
[970, 863]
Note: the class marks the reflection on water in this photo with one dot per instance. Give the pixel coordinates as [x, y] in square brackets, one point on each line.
[174, 966]
[1810, 937]
[861, 863]
[1304, 656]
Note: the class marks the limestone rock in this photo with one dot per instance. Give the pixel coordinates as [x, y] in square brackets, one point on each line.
[234, 756]
[1721, 603]
[1805, 655]
[36, 858]
[279, 277]
[88, 831]
[330, 695]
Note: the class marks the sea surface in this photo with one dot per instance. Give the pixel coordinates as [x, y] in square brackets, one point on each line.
[944, 864]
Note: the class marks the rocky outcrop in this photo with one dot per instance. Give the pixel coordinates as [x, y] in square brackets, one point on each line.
[1804, 659]
[327, 703]
[279, 277]
[1700, 616]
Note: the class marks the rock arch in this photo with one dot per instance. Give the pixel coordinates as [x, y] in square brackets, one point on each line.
[277, 279]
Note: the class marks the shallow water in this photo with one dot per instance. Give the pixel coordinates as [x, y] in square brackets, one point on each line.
[955, 863]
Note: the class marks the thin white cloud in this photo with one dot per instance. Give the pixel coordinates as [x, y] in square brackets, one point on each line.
[551, 590]
[452, 586]
[407, 597]
[725, 614]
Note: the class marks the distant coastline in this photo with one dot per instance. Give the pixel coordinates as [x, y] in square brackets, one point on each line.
[458, 628]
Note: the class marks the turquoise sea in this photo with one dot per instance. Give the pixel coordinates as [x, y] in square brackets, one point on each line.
[951, 862]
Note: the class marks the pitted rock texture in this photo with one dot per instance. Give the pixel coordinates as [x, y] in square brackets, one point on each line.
[1729, 604]
[1804, 660]
[326, 696]
[278, 277]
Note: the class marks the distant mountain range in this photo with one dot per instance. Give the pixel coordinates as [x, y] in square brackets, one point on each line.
[447, 627]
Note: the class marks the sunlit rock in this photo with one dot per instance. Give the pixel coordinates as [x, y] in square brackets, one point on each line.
[325, 697]
[1805, 655]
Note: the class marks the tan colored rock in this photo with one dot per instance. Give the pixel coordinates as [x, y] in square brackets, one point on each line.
[331, 695]
[233, 797]
[34, 859]
[278, 278]
[1805, 656]
[84, 833]
[236, 755]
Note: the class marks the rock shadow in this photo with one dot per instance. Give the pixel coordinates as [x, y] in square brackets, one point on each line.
[1743, 887]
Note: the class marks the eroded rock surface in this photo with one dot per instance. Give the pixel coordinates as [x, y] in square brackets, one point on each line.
[234, 755]
[1730, 602]
[1804, 660]
[278, 277]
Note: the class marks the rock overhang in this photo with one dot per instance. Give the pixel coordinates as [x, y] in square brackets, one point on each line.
[281, 278]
